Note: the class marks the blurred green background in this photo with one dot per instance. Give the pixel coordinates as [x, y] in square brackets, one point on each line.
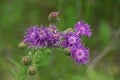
[102, 15]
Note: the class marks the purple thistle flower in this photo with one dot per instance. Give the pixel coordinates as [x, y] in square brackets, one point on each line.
[53, 36]
[80, 54]
[35, 37]
[52, 29]
[70, 39]
[82, 28]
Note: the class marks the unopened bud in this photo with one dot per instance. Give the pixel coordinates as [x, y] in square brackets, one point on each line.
[21, 45]
[70, 30]
[26, 60]
[54, 17]
[31, 70]
[67, 51]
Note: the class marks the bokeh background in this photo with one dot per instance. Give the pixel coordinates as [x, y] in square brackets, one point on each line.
[102, 15]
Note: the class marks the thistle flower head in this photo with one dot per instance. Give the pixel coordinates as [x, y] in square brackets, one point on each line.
[80, 54]
[42, 36]
[53, 36]
[82, 29]
[70, 39]
[35, 37]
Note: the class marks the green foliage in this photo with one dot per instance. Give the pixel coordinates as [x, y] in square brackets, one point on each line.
[104, 33]
[97, 75]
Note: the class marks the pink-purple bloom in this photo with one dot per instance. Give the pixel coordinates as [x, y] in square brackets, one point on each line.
[80, 54]
[82, 29]
[42, 36]
[70, 39]
[53, 36]
[35, 37]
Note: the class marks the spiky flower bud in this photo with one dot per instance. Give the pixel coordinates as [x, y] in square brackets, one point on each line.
[21, 45]
[54, 17]
[70, 30]
[67, 51]
[26, 60]
[31, 70]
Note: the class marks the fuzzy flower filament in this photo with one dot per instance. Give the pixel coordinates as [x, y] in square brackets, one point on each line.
[53, 36]
[70, 39]
[83, 29]
[42, 36]
[80, 54]
[32, 37]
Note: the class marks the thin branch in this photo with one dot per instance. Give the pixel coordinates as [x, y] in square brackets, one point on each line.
[104, 51]
[100, 56]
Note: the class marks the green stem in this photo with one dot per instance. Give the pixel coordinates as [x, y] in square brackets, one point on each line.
[23, 74]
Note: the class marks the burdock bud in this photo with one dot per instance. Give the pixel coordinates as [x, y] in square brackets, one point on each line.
[67, 51]
[21, 45]
[26, 60]
[54, 17]
[70, 30]
[31, 70]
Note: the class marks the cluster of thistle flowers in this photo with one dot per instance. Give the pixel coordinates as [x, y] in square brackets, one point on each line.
[44, 37]
[40, 37]
[70, 39]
